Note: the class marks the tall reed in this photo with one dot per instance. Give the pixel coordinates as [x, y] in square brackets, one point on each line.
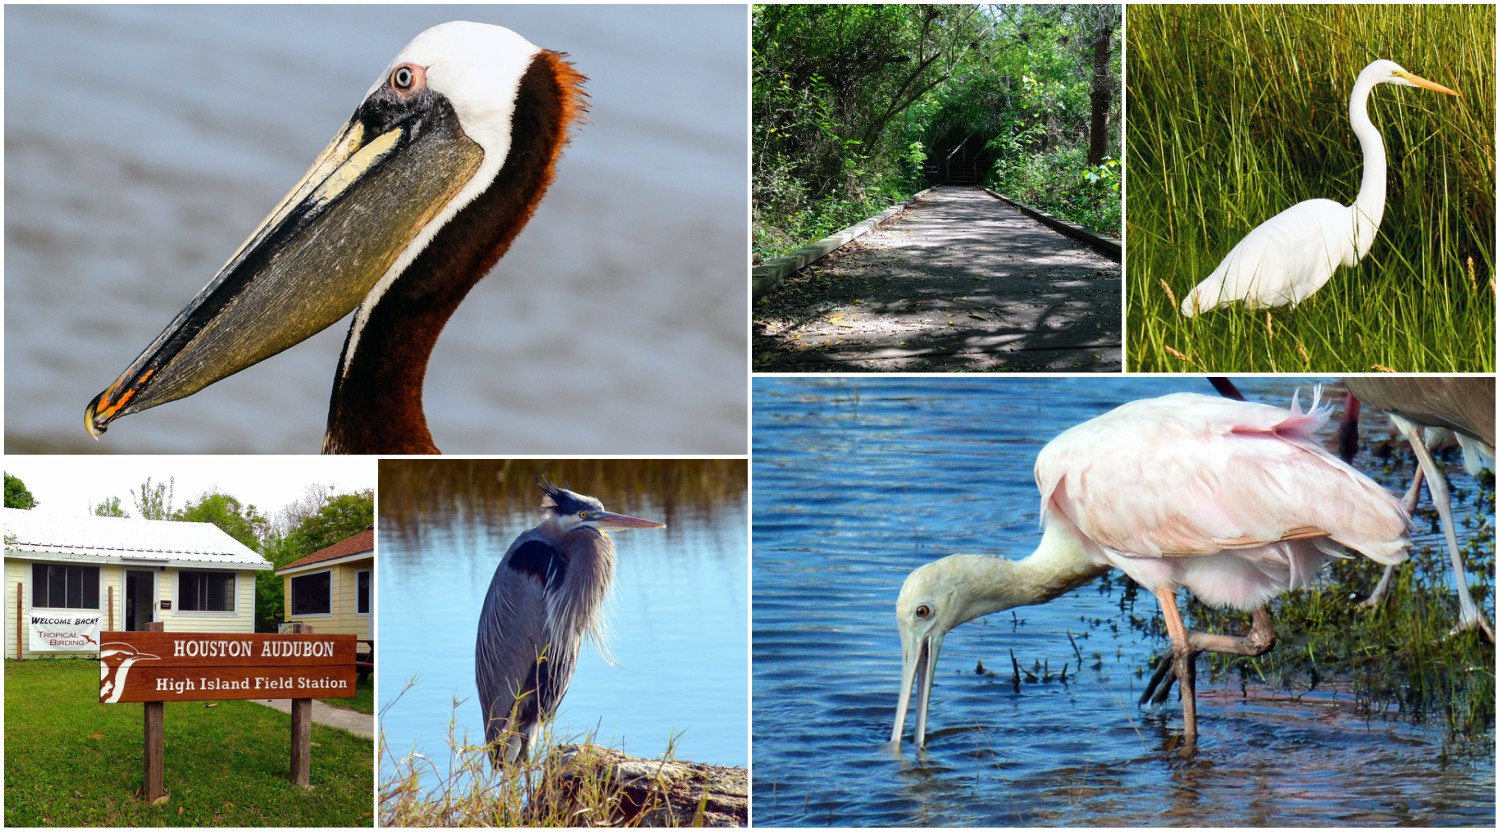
[1237, 112]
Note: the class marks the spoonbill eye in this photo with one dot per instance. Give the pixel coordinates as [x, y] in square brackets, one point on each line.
[924, 611]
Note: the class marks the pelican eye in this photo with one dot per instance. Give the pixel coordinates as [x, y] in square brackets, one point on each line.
[924, 611]
[404, 77]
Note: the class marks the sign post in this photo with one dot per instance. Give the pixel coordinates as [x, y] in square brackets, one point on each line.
[156, 667]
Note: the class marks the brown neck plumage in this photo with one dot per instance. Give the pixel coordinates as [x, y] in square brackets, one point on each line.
[377, 404]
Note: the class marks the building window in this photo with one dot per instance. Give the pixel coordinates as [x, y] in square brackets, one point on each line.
[312, 594]
[57, 586]
[205, 591]
[362, 592]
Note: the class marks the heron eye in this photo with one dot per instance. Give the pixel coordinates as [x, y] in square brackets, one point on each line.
[924, 611]
[403, 78]
[583, 515]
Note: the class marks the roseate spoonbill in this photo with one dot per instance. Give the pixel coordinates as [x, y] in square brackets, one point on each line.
[543, 601]
[1234, 501]
[1463, 405]
[418, 196]
[1287, 258]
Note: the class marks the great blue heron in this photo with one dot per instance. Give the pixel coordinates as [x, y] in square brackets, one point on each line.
[544, 599]
[416, 199]
[1237, 502]
[1463, 405]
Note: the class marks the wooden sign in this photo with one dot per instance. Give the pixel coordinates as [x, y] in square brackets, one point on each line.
[175, 667]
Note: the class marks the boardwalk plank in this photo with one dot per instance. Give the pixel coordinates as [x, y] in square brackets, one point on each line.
[959, 281]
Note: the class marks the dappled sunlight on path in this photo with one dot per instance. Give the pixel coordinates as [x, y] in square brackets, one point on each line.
[958, 281]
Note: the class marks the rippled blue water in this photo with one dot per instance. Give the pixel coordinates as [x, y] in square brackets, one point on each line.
[858, 481]
[679, 633]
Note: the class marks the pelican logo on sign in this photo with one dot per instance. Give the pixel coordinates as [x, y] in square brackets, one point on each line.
[115, 660]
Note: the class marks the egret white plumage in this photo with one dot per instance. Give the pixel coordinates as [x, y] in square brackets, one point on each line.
[1234, 501]
[544, 599]
[1287, 258]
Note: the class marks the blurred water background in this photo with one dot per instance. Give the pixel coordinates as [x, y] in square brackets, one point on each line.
[144, 143]
[680, 614]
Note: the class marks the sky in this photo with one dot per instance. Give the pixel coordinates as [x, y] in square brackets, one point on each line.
[72, 485]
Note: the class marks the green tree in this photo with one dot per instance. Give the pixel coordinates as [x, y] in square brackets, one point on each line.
[110, 508]
[16, 493]
[239, 521]
[855, 106]
[154, 502]
[318, 520]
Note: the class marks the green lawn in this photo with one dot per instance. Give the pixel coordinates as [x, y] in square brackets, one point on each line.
[363, 699]
[70, 761]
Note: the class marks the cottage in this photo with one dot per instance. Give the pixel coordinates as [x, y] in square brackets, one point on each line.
[67, 578]
[330, 590]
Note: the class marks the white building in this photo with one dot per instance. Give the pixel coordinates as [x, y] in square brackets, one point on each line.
[68, 578]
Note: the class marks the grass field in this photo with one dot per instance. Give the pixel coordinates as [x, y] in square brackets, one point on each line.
[70, 761]
[1237, 112]
[363, 699]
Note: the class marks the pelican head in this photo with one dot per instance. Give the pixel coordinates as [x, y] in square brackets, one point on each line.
[415, 199]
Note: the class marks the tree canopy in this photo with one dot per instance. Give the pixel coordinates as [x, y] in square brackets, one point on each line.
[858, 106]
[17, 495]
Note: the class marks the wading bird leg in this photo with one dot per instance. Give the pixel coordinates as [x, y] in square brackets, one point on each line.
[1409, 502]
[1469, 615]
[1158, 695]
[1183, 656]
[1260, 639]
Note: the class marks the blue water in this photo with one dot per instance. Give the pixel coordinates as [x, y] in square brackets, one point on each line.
[144, 143]
[680, 621]
[858, 481]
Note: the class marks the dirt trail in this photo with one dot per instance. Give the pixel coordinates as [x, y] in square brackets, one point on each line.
[958, 281]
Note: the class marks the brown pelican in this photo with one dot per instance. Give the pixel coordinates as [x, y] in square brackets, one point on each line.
[415, 199]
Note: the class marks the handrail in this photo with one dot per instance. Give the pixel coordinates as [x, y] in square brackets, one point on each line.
[948, 163]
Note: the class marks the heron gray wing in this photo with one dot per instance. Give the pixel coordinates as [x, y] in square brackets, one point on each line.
[515, 664]
[1462, 404]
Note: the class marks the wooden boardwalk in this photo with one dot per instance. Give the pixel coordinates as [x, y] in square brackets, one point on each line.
[959, 281]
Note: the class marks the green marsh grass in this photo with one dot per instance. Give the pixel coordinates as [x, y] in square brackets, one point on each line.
[547, 789]
[1238, 112]
[70, 761]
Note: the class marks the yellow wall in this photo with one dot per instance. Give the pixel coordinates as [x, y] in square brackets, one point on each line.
[242, 620]
[342, 618]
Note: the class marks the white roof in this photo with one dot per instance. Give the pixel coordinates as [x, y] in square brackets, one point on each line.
[34, 536]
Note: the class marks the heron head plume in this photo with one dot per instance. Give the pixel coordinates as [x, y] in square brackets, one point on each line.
[569, 510]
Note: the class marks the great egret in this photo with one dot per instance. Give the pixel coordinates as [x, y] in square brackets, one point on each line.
[1235, 501]
[1287, 258]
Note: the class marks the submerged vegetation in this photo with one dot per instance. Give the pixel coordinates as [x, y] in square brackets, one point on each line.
[1238, 112]
[856, 107]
